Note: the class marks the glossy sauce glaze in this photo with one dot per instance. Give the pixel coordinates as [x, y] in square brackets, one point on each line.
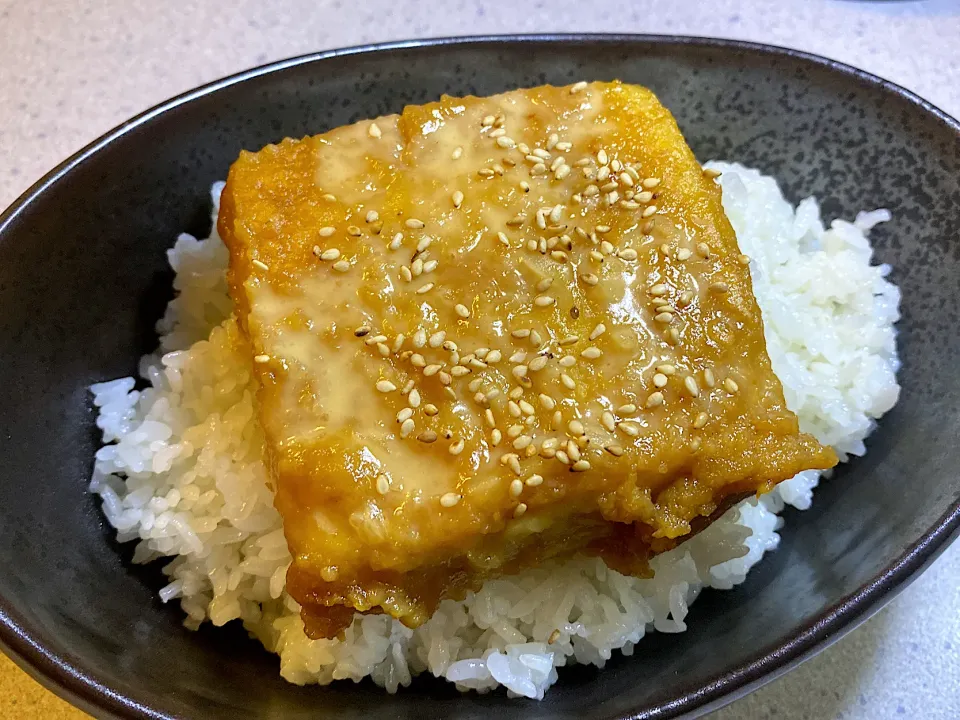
[493, 331]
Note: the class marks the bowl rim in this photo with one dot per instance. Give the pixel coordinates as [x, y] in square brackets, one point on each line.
[66, 677]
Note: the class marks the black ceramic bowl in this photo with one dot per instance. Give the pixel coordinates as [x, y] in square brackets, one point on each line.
[83, 278]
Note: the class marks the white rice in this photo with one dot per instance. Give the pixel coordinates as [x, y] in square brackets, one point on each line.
[180, 472]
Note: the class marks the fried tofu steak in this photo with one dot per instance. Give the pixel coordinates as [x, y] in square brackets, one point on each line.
[493, 331]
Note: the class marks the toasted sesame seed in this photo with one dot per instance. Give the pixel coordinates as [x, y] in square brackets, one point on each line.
[485, 172]
[710, 173]
[719, 287]
[427, 436]
[341, 266]
[744, 259]
[261, 265]
[654, 399]
[262, 358]
[730, 385]
[361, 331]
[690, 385]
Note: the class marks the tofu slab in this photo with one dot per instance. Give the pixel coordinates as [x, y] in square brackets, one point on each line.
[493, 331]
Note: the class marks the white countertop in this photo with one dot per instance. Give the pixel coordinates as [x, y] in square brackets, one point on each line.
[70, 70]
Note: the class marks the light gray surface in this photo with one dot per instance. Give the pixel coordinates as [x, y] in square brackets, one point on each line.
[71, 70]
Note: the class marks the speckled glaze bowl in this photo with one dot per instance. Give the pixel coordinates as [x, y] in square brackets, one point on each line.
[83, 278]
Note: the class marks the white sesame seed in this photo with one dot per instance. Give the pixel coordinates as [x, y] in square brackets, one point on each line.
[544, 301]
[436, 340]
[385, 386]
[495, 437]
[372, 216]
[520, 510]
[629, 428]
[547, 402]
[568, 361]
[659, 380]
[657, 290]
[326, 231]
[414, 223]
[627, 254]
[404, 414]
[538, 363]
[261, 265]
[664, 317]
[522, 442]
[575, 427]
[643, 197]
[591, 353]
[651, 183]
[602, 158]
[456, 448]
[700, 420]
[655, 399]
[330, 254]
[457, 153]
[608, 420]
[666, 368]
[590, 279]
[493, 357]
[628, 409]
[462, 310]
[499, 132]
[520, 333]
[430, 410]
[519, 371]
[568, 382]
[423, 289]
[262, 359]
[374, 131]
[730, 385]
[683, 254]
[562, 172]
[570, 340]
[578, 87]
[506, 142]
[719, 287]
[648, 211]
[690, 385]
[703, 250]
[448, 500]
[580, 466]
[429, 266]
[341, 266]
[407, 427]
[709, 379]
[354, 230]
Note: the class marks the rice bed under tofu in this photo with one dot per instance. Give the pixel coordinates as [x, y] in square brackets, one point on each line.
[180, 472]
